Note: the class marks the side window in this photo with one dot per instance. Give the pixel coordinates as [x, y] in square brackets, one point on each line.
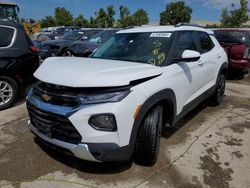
[186, 42]
[6, 35]
[205, 42]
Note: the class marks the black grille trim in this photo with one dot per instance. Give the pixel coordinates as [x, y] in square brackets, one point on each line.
[68, 96]
[58, 95]
[53, 125]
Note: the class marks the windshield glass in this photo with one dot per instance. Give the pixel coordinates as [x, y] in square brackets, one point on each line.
[8, 12]
[73, 35]
[148, 48]
[102, 36]
[232, 36]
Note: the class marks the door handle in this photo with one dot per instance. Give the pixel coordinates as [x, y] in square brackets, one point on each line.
[200, 62]
[218, 56]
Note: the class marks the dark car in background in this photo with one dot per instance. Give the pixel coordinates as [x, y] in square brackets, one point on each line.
[236, 43]
[18, 62]
[60, 47]
[86, 48]
[59, 32]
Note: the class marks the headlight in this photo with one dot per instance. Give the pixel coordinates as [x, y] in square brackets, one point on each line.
[102, 98]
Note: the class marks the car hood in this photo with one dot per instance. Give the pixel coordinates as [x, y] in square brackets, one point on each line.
[83, 47]
[92, 72]
[58, 42]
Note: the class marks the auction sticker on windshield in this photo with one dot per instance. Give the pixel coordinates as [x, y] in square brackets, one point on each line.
[161, 35]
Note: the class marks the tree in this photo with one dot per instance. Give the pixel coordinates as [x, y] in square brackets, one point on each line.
[63, 17]
[80, 21]
[140, 17]
[125, 18]
[101, 18]
[48, 21]
[236, 17]
[110, 16]
[92, 22]
[176, 12]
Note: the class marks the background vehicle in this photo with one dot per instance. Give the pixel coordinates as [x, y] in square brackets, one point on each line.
[61, 31]
[18, 61]
[117, 103]
[236, 43]
[60, 47]
[8, 11]
[85, 48]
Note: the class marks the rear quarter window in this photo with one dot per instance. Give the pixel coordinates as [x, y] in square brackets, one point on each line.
[206, 42]
[6, 36]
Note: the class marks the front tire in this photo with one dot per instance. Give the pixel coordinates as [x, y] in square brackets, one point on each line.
[8, 92]
[218, 96]
[148, 138]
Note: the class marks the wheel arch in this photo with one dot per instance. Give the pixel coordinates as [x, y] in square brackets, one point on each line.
[167, 99]
[224, 69]
[11, 75]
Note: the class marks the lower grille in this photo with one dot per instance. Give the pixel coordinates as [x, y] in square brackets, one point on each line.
[53, 125]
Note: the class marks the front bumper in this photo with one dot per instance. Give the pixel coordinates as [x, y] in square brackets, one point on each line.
[96, 152]
[80, 151]
[95, 145]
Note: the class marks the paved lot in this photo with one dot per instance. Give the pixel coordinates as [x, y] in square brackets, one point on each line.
[210, 148]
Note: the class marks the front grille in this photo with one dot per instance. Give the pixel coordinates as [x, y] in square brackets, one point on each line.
[53, 125]
[58, 95]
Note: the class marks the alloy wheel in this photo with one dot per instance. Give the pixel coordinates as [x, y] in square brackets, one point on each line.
[6, 92]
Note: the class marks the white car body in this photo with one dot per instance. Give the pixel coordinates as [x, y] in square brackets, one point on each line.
[187, 81]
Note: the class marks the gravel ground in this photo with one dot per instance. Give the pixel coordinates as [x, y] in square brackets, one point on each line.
[209, 148]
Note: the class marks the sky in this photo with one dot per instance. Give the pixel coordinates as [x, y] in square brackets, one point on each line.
[209, 10]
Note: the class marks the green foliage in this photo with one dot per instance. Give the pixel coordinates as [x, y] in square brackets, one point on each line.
[125, 18]
[63, 17]
[81, 21]
[104, 18]
[140, 17]
[110, 16]
[101, 18]
[176, 12]
[236, 17]
[92, 22]
[48, 21]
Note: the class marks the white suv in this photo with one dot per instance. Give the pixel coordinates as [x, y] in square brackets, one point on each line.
[117, 103]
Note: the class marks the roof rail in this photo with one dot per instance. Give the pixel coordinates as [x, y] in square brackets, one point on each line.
[188, 24]
[130, 27]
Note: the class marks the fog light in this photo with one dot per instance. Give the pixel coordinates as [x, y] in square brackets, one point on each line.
[103, 122]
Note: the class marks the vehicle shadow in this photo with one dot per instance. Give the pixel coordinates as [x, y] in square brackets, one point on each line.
[184, 121]
[82, 165]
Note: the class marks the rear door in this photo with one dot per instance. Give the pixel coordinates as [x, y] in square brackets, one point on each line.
[209, 60]
[7, 38]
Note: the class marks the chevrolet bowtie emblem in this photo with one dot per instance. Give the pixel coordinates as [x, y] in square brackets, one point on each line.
[46, 98]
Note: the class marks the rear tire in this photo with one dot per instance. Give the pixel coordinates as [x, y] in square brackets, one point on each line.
[218, 96]
[8, 92]
[148, 138]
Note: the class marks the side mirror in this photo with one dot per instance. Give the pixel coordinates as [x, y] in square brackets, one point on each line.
[189, 56]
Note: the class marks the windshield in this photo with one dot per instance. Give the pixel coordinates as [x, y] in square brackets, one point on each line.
[73, 35]
[8, 12]
[150, 48]
[102, 36]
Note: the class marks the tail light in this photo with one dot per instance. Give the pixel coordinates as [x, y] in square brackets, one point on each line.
[33, 49]
[247, 53]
